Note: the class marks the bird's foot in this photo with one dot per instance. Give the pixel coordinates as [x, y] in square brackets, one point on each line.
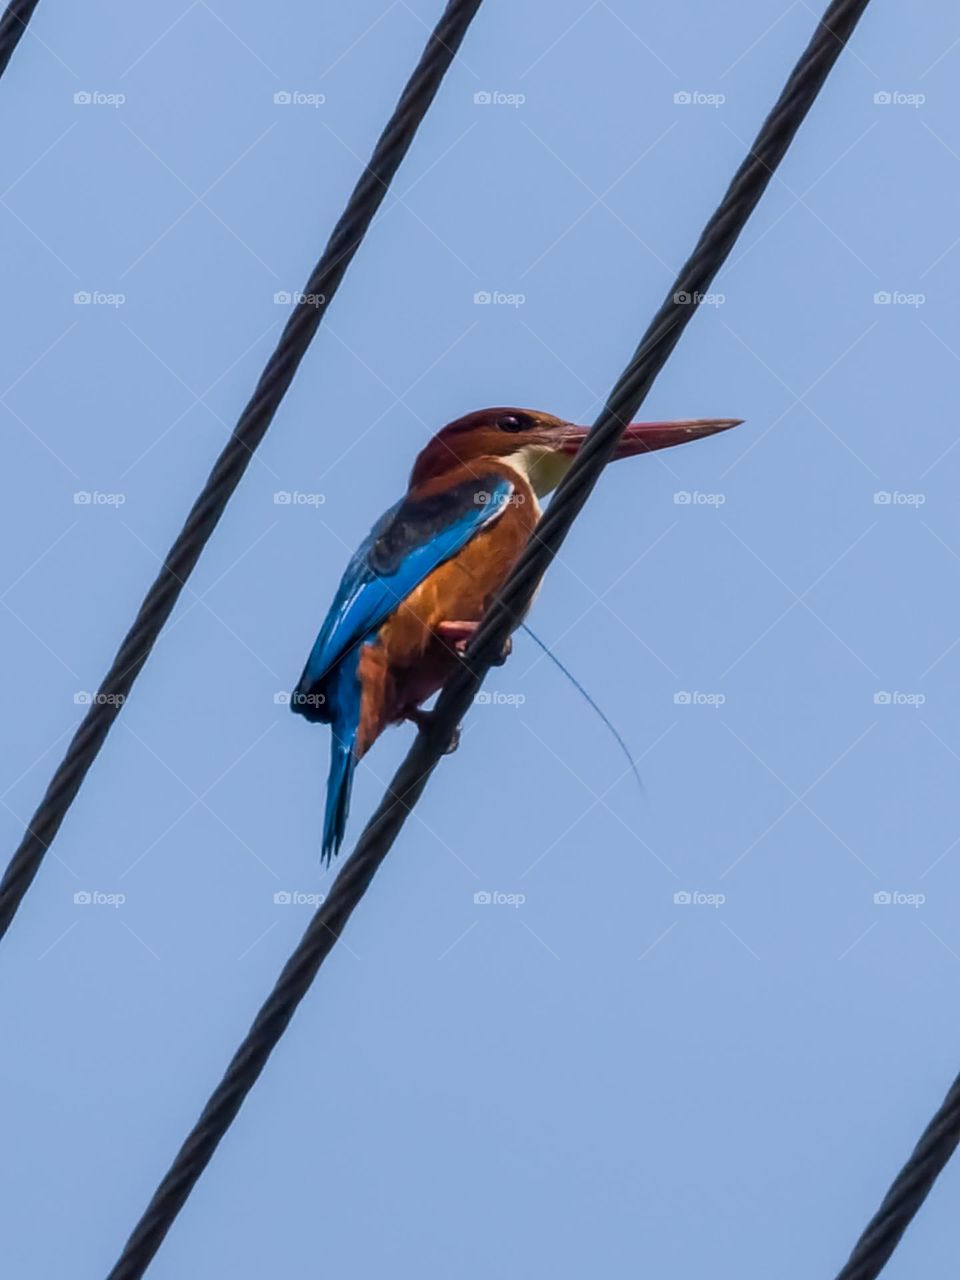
[424, 720]
[461, 633]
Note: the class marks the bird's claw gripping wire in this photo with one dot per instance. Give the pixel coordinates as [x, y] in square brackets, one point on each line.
[505, 653]
[426, 722]
[462, 634]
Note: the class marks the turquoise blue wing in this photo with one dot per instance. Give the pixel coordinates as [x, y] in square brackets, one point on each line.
[411, 540]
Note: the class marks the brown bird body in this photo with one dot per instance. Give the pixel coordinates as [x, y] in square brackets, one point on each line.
[416, 649]
[415, 592]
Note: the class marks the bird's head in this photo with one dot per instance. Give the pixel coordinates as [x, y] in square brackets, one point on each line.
[541, 446]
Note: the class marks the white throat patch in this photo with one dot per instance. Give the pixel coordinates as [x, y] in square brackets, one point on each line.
[542, 468]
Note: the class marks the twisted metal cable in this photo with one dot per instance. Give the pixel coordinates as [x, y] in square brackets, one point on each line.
[910, 1188]
[297, 335]
[411, 777]
[13, 24]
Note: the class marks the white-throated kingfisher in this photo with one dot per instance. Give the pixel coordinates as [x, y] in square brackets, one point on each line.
[418, 586]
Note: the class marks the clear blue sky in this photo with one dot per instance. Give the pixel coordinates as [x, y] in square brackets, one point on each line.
[600, 1080]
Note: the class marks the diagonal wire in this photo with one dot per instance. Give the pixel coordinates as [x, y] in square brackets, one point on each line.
[228, 470]
[692, 283]
[13, 24]
[408, 783]
[910, 1188]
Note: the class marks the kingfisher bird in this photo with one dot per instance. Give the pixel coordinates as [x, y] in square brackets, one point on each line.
[417, 588]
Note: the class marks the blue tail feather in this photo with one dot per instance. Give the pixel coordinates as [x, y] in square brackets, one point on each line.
[339, 782]
[346, 691]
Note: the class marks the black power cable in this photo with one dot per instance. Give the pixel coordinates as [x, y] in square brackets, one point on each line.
[228, 471]
[13, 24]
[410, 779]
[910, 1188]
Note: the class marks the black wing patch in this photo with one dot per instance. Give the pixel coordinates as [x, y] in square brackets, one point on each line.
[418, 520]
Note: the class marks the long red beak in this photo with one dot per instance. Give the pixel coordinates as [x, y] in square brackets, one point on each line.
[644, 437]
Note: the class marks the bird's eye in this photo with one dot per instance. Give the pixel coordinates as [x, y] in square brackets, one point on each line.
[510, 422]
